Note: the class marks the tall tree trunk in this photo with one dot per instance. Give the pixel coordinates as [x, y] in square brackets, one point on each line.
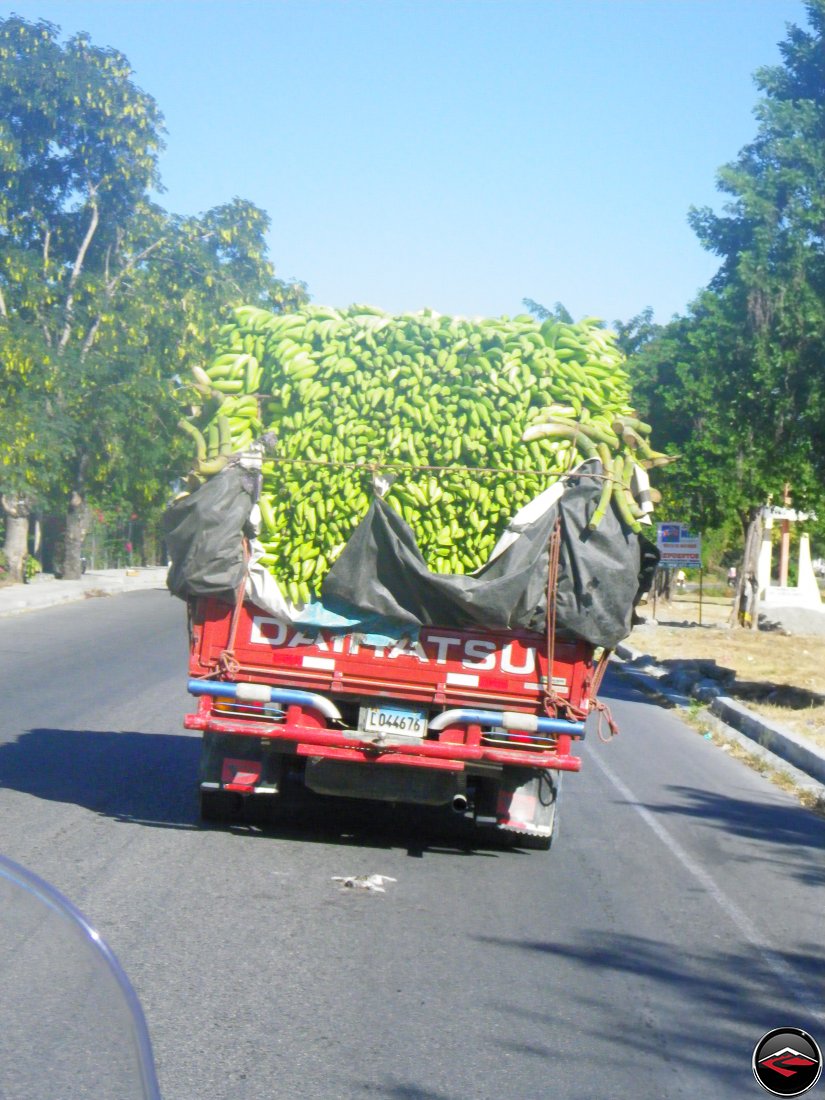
[18, 510]
[80, 259]
[77, 524]
[746, 604]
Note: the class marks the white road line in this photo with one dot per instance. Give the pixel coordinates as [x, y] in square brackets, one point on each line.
[802, 993]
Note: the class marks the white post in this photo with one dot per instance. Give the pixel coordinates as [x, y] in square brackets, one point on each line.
[806, 578]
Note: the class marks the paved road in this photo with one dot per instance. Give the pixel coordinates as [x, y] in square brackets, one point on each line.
[678, 917]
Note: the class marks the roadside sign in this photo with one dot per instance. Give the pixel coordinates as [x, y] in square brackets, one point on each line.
[678, 547]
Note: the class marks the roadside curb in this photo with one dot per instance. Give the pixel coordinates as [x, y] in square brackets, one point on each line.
[778, 747]
[49, 592]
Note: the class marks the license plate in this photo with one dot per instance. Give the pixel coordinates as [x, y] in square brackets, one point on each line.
[395, 721]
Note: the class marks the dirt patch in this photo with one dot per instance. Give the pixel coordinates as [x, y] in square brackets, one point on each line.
[778, 674]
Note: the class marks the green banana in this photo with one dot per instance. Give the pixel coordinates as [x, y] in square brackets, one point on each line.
[515, 401]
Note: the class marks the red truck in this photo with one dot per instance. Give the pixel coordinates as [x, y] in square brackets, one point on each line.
[398, 684]
[483, 721]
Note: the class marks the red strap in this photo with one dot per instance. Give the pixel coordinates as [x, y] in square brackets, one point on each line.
[227, 663]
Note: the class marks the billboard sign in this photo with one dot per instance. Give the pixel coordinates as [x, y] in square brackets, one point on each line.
[678, 547]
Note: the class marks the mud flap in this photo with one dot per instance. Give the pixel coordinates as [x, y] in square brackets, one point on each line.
[235, 773]
[527, 805]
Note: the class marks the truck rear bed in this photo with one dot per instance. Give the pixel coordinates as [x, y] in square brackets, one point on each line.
[424, 718]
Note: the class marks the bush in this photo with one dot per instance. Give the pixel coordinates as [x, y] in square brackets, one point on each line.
[31, 567]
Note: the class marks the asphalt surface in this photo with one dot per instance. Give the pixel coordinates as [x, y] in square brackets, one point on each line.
[779, 748]
[677, 918]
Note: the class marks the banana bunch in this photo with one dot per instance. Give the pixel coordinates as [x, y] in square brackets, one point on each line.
[469, 420]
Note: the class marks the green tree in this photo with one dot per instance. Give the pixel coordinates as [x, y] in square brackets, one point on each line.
[737, 386]
[78, 153]
[22, 413]
[111, 296]
[771, 283]
[633, 335]
[166, 323]
[559, 312]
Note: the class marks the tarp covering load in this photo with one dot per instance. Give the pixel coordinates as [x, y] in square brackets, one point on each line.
[381, 571]
[381, 574]
[204, 535]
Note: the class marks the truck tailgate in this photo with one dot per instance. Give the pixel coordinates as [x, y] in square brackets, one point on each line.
[437, 668]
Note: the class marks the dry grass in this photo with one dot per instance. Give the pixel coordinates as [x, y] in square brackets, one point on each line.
[778, 675]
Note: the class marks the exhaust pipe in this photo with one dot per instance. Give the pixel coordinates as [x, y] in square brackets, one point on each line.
[460, 803]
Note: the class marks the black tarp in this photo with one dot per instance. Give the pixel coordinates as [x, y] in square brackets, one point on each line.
[381, 574]
[204, 536]
[601, 574]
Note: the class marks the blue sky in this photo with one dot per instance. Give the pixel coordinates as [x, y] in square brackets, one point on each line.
[455, 154]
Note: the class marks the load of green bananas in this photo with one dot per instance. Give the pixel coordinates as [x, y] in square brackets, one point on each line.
[460, 422]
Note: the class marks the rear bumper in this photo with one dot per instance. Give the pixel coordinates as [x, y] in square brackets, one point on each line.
[302, 739]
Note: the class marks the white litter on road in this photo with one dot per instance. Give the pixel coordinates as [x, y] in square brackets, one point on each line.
[363, 882]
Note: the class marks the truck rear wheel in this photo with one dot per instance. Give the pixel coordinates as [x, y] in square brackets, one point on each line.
[219, 806]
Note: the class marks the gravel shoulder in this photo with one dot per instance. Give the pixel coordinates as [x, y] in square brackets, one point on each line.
[777, 671]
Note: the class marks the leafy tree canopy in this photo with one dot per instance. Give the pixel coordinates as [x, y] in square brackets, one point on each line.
[104, 296]
[738, 385]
